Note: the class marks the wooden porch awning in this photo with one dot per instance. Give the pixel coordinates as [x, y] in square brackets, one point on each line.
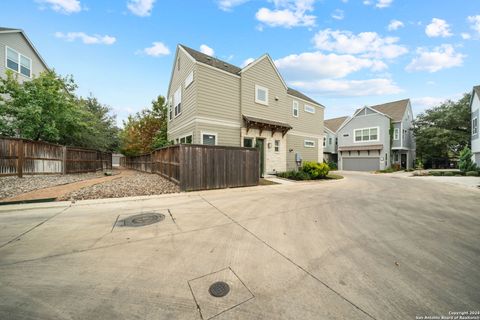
[263, 124]
[361, 148]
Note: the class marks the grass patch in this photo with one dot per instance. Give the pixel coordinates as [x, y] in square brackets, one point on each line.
[332, 176]
[265, 182]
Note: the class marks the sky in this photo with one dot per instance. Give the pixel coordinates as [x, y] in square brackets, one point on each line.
[342, 53]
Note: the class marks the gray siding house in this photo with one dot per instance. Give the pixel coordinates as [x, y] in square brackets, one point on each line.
[475, 109]
[377, 137]
[330, 139]
[18, 54]
[214, 102]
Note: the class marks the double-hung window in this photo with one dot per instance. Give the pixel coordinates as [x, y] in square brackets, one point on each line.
[177, 101]
[475, 126]
[261, 95]
[277, 145]
[396, 134]
[19, 63]
[366, 135]
[295, 109]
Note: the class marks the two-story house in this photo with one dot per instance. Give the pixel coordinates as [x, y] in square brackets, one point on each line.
[330, 139]
[474, 108]
[216, 103]
[377, 137]
[18, 54]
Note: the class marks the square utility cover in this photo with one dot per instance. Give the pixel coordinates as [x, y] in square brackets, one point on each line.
[218, 292]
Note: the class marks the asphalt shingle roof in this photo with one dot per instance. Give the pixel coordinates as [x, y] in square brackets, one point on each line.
[394, 110]
[335, 123]
[225, 66]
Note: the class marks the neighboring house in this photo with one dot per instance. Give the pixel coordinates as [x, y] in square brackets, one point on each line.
[18, 54]
[475, 107]
[330, 139]
[377, 137]
[214, 102]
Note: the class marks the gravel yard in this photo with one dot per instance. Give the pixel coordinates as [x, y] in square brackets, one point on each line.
[13, 186]
[137, 184]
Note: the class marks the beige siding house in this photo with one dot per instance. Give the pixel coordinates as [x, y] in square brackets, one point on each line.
[214, 102]
[18, 54]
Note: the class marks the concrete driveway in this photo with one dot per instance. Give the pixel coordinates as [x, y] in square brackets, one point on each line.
[365, 247]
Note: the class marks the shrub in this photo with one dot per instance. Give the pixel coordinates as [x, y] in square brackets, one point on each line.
[332, 165]
[449, 174]
[465, 163]
[436, 173]
[396, 167]
[315, 170]
[472, 173]
[294, 175]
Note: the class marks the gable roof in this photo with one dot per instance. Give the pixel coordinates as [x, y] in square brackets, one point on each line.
[335, 123]
[230, 68]
[394, 110]
[211, 61]
[477, 90]
[11, 30]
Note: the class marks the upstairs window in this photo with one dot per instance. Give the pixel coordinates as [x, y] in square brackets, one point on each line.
[309, 109]
[19, 63]
[189, 80]
[261, 95]
[396, 134]
[177, 102]
[295, 109]
[330, 141]
[404, 135]
[366, 135]
[309, 144]
[474, 126]
[324, 139]
[277, 145]
[170, 109]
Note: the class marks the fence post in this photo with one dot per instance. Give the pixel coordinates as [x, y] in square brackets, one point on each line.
[64, 160]
[20, 158]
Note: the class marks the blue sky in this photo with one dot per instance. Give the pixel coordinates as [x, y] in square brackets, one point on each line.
[343, 53]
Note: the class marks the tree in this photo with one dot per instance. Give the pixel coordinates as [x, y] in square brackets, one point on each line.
[47, 109]
[465, 163]
[146, 130]
[443, 131]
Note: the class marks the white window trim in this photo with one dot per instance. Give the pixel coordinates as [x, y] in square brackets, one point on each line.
[396, 134]
[175, 114]
[243, 141]
[312, 108]
[208, 133]
[190, 78]
[369, 128]
[19, 62]
[274, 141]
[474, 127]
[309, 141]
[186, 135]
[266, 95]
[295, 106]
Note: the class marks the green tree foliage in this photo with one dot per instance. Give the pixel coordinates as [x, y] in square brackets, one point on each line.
[46, 109]
[466, 164]
[146, 130]
[443, 131]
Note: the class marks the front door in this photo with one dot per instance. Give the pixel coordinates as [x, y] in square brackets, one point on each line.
[260, 145]
[403, 160]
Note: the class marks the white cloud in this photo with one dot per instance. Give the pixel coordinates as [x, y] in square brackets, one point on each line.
[314, 65]
[207, 50]
[228, 5]
[349, 88]
[439, 58]
[419, 104]
[63, 6]
[338, 14]
[158, 49]
[465, 36]
[395, 25]
[383, 3]
[369, 44]
[287, 14]
[475, 23]
[85, 38]
[438, 28]
[247, 62]
[142, 8]
[380, 3]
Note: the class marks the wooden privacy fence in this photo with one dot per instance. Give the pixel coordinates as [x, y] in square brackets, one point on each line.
[201, 167]
[26, 157]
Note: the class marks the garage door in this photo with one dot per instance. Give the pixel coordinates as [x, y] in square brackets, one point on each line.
[361, 164]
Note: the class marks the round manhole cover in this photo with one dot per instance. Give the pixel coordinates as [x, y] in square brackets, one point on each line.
[143, 219]
[219, 289]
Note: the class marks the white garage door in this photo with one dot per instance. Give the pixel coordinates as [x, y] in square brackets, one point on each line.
[361, 164]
